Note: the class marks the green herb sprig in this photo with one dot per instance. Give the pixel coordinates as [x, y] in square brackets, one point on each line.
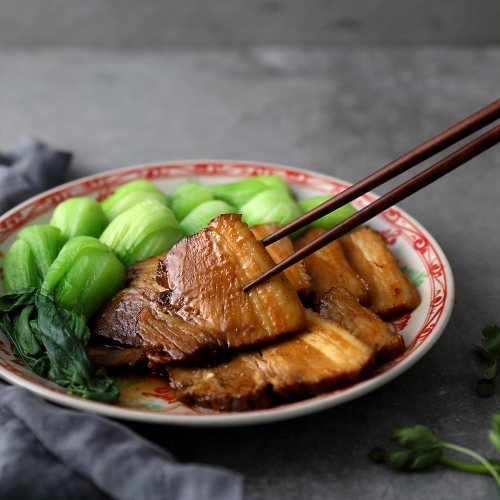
[423, 449]
[490, 350]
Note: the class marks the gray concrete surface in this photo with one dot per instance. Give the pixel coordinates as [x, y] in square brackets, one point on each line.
[343, 111]
[165, 23]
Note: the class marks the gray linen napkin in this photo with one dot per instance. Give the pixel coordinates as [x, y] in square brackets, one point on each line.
[29, 169]
[48, 452]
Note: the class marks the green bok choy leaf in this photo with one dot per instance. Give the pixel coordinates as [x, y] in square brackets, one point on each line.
[238, 193]
[80, 216]
[143, 231]
[187, 197]
[84, 275]
[272, 205]
[329, 220]
[131, 194]
[51, 341]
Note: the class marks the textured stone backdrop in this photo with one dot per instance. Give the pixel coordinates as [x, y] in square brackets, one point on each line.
[159, 23]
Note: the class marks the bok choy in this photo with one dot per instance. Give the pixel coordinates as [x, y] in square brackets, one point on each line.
[130, 194]
[47, 323]
[80, 216]
[143, 231]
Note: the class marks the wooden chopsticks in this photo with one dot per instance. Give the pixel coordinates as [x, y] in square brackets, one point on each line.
[463, 129]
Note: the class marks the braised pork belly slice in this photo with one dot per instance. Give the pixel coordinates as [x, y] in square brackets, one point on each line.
[166, 337]
[329, 267]
[204, 276]
[322, 358]
[129, 358]
[143, 273]
[341, 306]
[117, 318]
[204, 310]
[390, 291]
[132, 317]
[280, 250]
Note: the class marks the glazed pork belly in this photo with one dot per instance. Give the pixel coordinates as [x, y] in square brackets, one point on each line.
[341, 306]
[227, 350]
[204, 276]
[280, 250]
[329, 267]
[322, 358]
[130, 358]
[117, 319]
[133, 318]
[390, 293]
[190, 305]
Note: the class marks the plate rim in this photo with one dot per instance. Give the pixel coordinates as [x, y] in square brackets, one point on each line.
[253, 417]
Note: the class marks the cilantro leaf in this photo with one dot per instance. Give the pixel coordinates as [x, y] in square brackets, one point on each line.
[485, 387]
[423, 449]
[491, 340]
[418, 437]
[489, 350]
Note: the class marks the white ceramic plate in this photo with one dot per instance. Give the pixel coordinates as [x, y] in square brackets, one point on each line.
[149, 399]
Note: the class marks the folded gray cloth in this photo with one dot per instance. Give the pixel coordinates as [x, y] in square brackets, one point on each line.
[29, 169]
[48, 452]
